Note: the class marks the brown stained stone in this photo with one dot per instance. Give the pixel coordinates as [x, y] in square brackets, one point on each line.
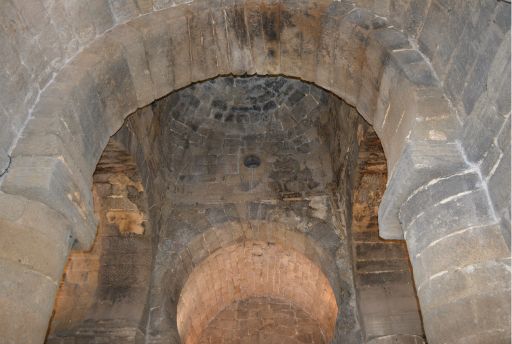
[387, 298]
[255, 269]
[262, 320]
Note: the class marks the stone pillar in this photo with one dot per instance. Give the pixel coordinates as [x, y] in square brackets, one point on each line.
[34, 244]
[460, 258]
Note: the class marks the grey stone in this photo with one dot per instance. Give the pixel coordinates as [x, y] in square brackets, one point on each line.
[463, 210]
[475, 86]
[54, 186]
[436, 191]
[27, 300]
[418, 164]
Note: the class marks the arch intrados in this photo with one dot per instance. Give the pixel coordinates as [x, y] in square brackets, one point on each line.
[201, 246]
[249, 269]
[135, 63]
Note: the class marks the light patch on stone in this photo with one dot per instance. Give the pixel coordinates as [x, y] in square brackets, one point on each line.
[124, 213]
[127, 221]
[436, 135]
[77, 200]
[318, 204]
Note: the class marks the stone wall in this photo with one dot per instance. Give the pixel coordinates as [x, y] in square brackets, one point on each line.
[103, 292]
[253, 270]
[62, 101]
[466, 41]
[387, 299]
[191, 149]
[263, 321]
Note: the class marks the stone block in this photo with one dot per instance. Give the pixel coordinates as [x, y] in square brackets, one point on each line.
[77, 122]
[438, 191]
[391, 39]
[463, 210]
[25, 41]
[458, 250]
[44, 41]
[52, 145]
[386, 102]
[237, 35]
[42, 252]
[415, 17]
[299, 43]
[157, 45]
[480, 129]
[499, 186]
[418, 164]
[472, 313]
[347, 66]
[144, 6]
[399, 117]
[497, 63]
[133, 45]
[16, 82]
[463, 56]
[376, 59]
[63, 26]
[476, 83]
[100, 15]
[35, 235]
[58, 142]
[114, 83]
[123, 10]
[398, 339]
[26, 302]
[436, 121]
[438, 23]
[420, 74]
[254, 19]
[87, 23]
[54, 185]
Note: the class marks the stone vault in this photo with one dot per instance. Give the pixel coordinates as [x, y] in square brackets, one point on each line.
[432, 78]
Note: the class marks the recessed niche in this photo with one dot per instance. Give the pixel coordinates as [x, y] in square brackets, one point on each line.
[252, 161]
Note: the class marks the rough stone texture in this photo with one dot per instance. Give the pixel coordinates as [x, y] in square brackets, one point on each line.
[260, 320]
[190, 149]
[250, 270]
[387, 299]
[398, 48]
[35, 242]
[103, 293]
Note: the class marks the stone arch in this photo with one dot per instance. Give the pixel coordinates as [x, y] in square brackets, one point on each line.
[312, 248]
[347, 50]
[381, 74]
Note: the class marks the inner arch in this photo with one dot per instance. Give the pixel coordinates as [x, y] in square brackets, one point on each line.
[261, 272]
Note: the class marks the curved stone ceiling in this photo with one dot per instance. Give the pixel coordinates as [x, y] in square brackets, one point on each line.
[254, 269]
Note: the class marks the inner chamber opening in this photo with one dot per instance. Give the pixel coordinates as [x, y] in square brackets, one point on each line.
[236, 153]
[260, 292]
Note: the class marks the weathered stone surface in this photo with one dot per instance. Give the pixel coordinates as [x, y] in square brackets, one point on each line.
[209, 129]
[133, 46]
[399, 339]
[56, 187]
[465, 45]
[465, 294]
[35, 236]
[26, 299]
[410, 173]
[458, 250]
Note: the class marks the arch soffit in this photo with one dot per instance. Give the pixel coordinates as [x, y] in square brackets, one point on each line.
[350, 52]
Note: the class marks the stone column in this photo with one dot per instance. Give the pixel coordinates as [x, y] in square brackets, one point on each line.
[460, 258]
[34, 244]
